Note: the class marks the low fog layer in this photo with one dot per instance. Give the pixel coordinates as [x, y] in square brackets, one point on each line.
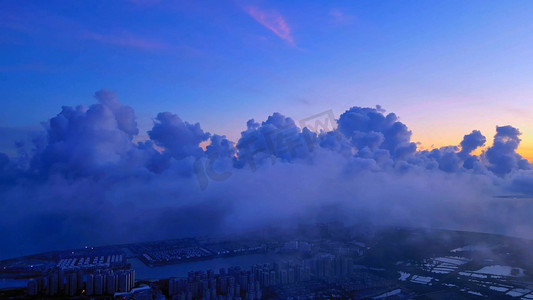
[86, 182]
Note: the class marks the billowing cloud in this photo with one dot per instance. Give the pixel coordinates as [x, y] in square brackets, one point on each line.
[180, 139]
[502, 155]
[124, 115]
[273, 21]
[276, 138]
[80, 140]
[471, 142]
[86, 181]
[370, 129]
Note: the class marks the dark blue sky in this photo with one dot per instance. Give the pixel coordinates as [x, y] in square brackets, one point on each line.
[462, 65]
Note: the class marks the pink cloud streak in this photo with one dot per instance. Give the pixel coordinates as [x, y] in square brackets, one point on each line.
[273, 21]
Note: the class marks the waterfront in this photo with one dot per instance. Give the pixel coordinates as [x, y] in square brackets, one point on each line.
[178, 270]
[144, 272]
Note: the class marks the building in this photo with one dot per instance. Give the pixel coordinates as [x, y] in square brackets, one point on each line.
[72, 284]
[32, 289]
[98, 284]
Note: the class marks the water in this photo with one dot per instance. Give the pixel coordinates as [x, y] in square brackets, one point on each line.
[181, 270]
[13, 283]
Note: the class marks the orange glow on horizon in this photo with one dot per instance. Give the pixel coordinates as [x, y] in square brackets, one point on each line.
[526, 151]
[432, 137]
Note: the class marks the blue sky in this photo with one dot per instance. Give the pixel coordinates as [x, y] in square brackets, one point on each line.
[444, 67]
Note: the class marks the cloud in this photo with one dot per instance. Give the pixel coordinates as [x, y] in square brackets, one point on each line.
[369, 128]
[339, 17]
[124, 115]
[86, 180]
[16, 139]
[276, 138]
[471, 142]
[81, 141]
[502, 155]
[180, 139]
[273, 21]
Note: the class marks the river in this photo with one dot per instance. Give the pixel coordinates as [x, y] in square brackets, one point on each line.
[12, 283]
[181, 270]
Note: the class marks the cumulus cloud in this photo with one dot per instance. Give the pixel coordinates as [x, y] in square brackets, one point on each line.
[502, 155]
[86, 180]
[180, 139]
[471, 142]
[276, 138]
[369, 128]
[80, 140]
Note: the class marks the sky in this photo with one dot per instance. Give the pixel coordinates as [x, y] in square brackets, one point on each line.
[445, 68]
[128, 121]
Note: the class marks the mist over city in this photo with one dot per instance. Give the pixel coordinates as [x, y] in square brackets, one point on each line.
[266, 150]
[85, 180]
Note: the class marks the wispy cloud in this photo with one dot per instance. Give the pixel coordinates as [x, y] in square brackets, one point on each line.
[273, 21]
[339, 17]
[125, 40]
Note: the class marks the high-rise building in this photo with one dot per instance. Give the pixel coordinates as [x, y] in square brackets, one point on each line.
[98, 284]
[123, 282]
[222, 284]
[72, 284]
[192, 287]
[89, 287]
[244, 281]
[80, 274]
[290, 275]
[258, 292]
[53, 282]
[61, 280]
[32, 287]
[111, 286]
[172, 286]
[132, 279]
[273, 277]
[283, 277]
